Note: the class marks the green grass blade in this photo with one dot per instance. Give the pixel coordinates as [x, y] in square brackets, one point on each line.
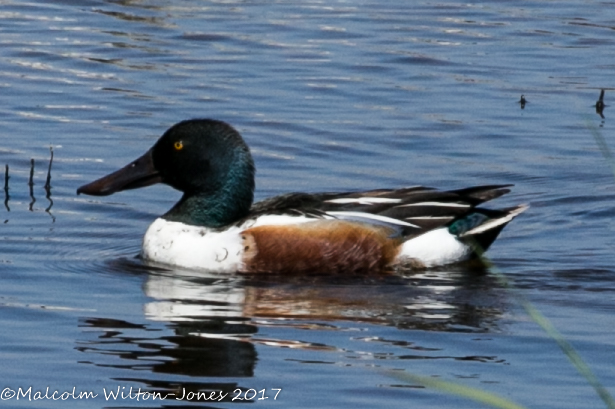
[555, 335]
[453, 388]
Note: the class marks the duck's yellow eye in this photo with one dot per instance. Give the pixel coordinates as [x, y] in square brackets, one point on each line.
[179, 145]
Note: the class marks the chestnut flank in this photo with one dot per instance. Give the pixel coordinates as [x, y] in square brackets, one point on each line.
[324, 246]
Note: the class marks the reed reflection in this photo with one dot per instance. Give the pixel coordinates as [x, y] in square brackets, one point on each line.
[48, 187]
[6, 189]
[31, 185]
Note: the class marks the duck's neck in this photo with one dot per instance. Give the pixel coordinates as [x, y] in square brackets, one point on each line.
[214, 209]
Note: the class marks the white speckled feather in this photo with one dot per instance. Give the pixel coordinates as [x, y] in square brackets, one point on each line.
[192, 246]
[203, 248]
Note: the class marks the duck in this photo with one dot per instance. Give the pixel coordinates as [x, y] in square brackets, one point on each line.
[215, 226]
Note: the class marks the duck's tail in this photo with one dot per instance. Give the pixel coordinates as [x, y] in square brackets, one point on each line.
[480, 229]
[465, 238]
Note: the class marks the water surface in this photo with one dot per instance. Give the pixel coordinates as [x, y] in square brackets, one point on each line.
[330, 96]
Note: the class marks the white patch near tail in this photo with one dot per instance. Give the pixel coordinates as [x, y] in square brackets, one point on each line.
[434, 248]
[440, 247]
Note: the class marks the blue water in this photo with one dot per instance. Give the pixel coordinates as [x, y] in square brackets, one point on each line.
[330, 96]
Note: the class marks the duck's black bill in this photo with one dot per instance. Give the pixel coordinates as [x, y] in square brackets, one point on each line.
[139, 173]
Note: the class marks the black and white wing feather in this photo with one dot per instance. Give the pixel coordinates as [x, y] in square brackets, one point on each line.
[410, 211]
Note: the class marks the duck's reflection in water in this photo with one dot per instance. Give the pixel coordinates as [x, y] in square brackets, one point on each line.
[460, 299]
[206, 326]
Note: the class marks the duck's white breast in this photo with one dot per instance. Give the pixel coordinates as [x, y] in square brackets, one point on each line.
[203, 248]
[195, 247]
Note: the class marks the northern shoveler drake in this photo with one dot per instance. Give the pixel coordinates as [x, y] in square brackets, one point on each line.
[215, 226]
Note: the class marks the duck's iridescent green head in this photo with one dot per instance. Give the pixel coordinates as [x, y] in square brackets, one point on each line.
[206, 159]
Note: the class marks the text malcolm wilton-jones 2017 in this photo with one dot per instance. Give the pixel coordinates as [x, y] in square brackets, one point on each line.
[122, 393]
